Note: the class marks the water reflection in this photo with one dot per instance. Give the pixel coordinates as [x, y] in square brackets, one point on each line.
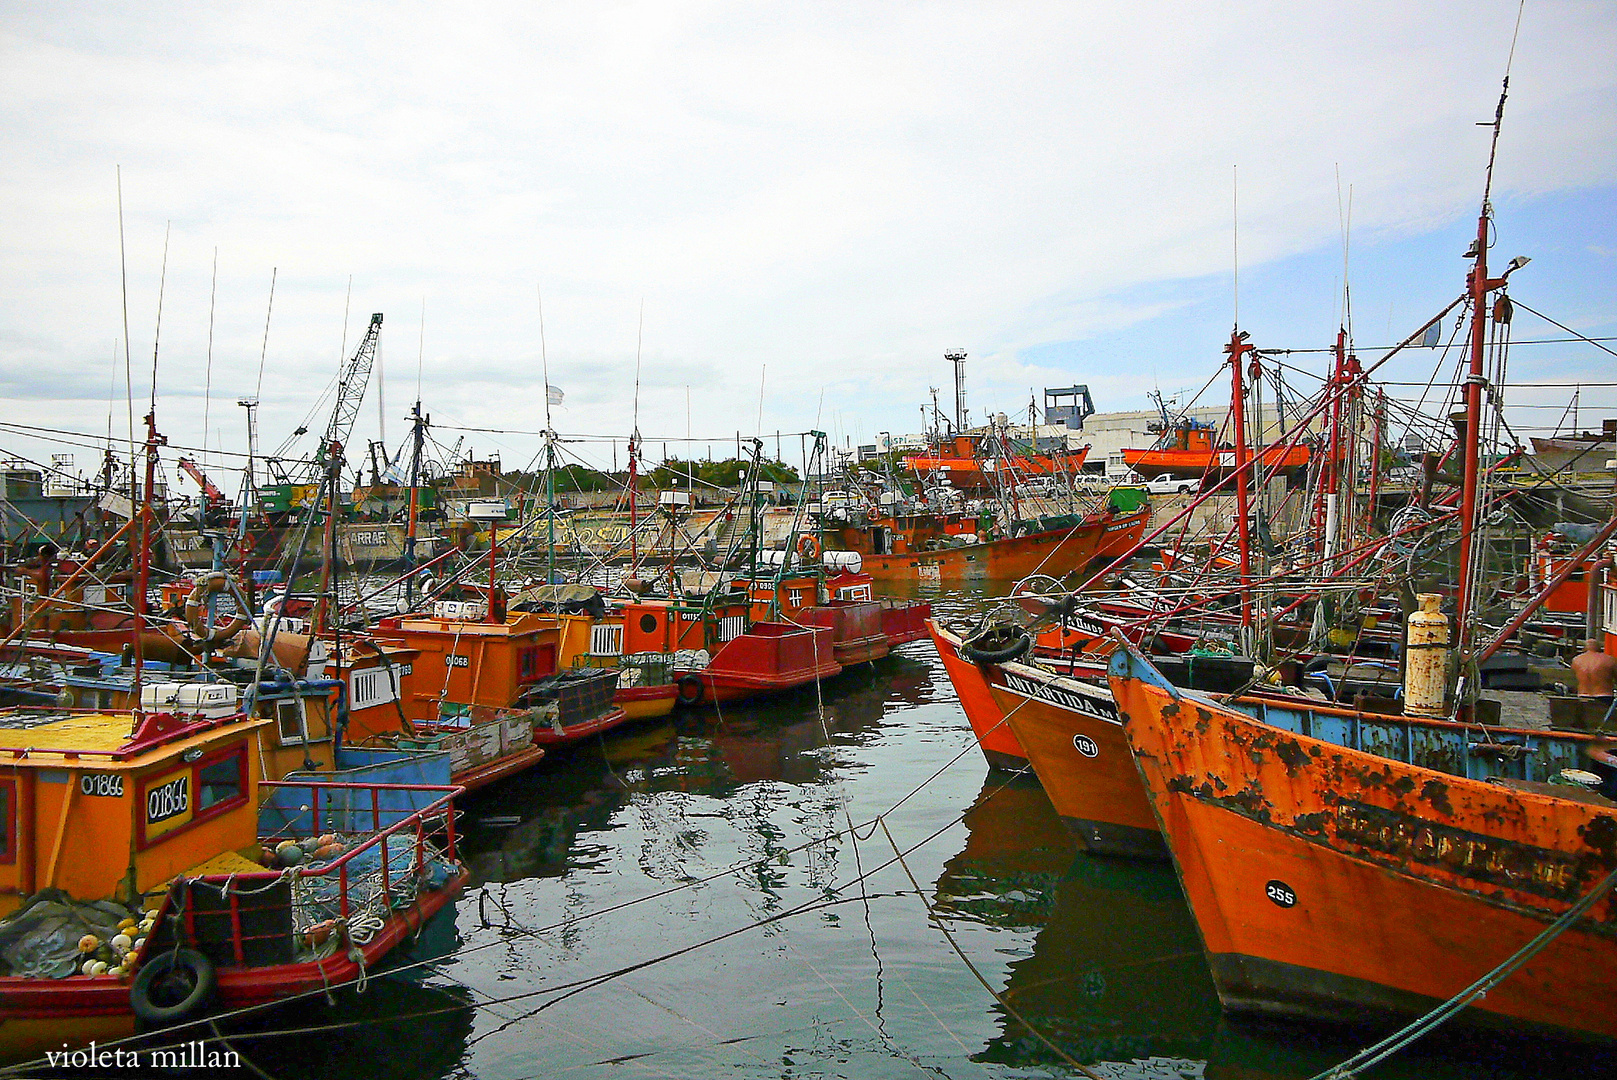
[396, 1030]
[1115, 971]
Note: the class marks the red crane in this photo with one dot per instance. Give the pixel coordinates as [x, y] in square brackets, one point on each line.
[211, 491]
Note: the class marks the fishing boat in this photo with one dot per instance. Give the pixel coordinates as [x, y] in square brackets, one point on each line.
[1185, 451]
[489, 690]
[1344, 864]
[998, 742]
[126, 895]
[720, 654]
[920, 547]
[981, 462]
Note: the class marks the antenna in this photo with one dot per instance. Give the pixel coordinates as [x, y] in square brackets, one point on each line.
[958, 358]
[1235, 238]
[207, 386]
[263, 350]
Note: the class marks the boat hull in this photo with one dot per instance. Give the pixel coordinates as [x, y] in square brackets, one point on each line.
[994, 736]
[39, 1015]
[769, 658]
[546, 736]
[1214, 465]
[646, 702]
[1056, 553]
[1074, 739]
[1330, 883]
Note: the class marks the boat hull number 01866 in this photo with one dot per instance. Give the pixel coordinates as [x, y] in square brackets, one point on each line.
[1085, 745]
[104, 784]
[170, 800]
[1282, 894]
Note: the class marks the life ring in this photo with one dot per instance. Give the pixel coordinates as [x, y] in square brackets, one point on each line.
[172, 985]
[808, 547]
[996, 645]
[196, 613]
[690, 689]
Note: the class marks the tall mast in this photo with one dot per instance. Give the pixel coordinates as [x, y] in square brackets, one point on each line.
[416, 436]
[323, 603]
[634, 520]
[143, 562]
[1237, 349]
[1478, 285]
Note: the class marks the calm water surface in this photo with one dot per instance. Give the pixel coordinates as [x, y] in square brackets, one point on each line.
[604, 934]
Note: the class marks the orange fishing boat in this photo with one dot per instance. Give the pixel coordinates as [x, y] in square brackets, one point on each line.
[1073, 736]
[1335, 883]
[916, 549]
[143, 832]
[1185, 451]
[968, 463]
[994, 736]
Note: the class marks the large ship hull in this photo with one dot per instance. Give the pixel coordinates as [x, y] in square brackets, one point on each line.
[1332, 883]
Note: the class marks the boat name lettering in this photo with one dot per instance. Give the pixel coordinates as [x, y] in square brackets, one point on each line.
[110, 785]
[457, 660]
[1473, 855]
[1282, 894]
[170, 800]
[1066, 699]
[1085, 745]
[368, 537]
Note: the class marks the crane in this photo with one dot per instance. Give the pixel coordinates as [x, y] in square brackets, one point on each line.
[210, 490]
[356, 373]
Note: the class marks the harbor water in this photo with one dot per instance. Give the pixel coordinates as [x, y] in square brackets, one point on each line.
[820, 886]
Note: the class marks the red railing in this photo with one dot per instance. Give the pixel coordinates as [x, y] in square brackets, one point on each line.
[325, 807]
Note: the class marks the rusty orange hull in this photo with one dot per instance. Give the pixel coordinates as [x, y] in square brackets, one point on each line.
[999, 744]
[1057, 553]
[1074, 740]
[1335, 884]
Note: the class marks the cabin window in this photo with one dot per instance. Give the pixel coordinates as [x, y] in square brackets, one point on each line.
[795, 597]
[222, 781]
[174, 799]
[8, 821]
[289, 721]
[648, 624]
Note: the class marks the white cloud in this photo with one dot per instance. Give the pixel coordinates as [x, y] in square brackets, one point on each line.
[836, 192]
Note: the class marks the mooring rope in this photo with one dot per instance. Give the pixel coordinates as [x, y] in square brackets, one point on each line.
[1373, 1055]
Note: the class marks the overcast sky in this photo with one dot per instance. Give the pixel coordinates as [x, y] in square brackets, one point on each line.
[816, 199]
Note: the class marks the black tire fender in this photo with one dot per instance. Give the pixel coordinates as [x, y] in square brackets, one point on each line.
[690, 689]
[997, 645]
[173, 985]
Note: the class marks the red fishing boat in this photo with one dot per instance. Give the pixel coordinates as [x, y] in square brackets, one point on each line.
[998, 742]
[718, 653]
